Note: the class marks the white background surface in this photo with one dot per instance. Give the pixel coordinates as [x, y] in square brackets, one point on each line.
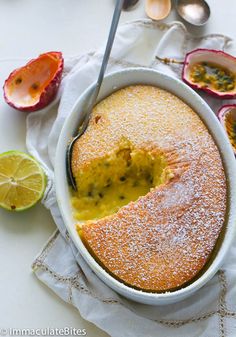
[28, 28]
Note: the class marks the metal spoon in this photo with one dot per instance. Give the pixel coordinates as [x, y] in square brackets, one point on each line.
[158, 9]
[196, 12]
[128, 4]
[89, 104]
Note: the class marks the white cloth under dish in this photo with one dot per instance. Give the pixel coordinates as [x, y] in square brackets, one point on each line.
[211, 312]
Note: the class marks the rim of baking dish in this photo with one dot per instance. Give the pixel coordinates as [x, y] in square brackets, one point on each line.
[111, 83]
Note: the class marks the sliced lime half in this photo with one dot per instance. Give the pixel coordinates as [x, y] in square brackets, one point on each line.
[22, 181]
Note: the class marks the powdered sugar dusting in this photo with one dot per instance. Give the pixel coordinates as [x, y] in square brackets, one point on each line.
[164, 239]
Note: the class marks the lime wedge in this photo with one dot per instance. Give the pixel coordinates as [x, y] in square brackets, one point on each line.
[22, 181]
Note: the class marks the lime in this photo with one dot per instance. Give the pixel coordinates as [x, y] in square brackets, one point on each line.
[22, 181]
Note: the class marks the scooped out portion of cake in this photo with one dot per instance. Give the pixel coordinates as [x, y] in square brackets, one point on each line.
[106, 184]
[152, 192]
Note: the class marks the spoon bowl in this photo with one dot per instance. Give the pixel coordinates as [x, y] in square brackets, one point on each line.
[129, 4]
[158, 9]
[195, 12]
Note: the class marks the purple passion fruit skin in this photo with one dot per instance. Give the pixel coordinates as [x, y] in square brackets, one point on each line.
[227, 118]
[212, 71]
[35, 85]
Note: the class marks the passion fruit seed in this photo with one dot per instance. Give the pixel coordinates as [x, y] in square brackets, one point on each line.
[213, 75]
[90, 193]
[18, 80]
[97, 118]
[230, 87]
[35, 86]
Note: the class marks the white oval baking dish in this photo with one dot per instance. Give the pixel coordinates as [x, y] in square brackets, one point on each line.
[111, 83]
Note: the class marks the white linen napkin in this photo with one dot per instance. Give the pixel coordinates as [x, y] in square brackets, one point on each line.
[211, 312]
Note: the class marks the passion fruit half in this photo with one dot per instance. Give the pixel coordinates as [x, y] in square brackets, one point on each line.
[227, 117]
[35, 85]
[212, 71]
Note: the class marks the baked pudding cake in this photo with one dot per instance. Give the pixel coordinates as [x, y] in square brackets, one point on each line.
[151, 189]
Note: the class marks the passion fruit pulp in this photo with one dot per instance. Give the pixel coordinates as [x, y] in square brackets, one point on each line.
[212, 71]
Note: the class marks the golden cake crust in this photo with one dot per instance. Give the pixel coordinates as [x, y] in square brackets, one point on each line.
[164, 239]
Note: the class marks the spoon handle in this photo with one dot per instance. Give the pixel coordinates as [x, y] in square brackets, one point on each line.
[114, 24]
[93, 97]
